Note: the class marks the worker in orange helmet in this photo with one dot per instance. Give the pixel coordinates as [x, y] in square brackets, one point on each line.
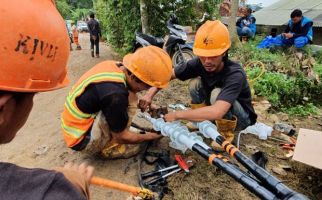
[218, 88]
[33, 57]
[76, 36]
[99, 108]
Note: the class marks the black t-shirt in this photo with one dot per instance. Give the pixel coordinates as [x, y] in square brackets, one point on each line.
[94, 27]
[231, 80]
[298, 29]
[22, 183]
[110, 98]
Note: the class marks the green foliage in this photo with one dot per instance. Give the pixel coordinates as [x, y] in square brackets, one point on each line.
[80, 14]
[120, 19]
[212, 7]
[294, 95]
[249, 52]
[302, 110]
[286, 84]
[74, 9]
[160, 10]
[64, 8]
[318, 56]
[318, 69]
[80, 3]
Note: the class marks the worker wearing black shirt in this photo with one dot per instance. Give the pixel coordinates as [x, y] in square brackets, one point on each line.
[95, 34]
[219, 89]
[298, 32]
[98, 110]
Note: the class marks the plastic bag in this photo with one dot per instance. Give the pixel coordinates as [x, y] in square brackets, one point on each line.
[260, 129]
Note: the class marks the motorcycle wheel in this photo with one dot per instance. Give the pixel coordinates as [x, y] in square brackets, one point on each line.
[181, 57]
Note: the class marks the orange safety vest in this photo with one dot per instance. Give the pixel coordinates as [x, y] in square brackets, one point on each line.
[74, 122]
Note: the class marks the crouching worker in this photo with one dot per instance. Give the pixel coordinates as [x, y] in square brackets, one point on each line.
[246, 25]
[25, 70]
[218, 87]
[99, 108]
[299, 32]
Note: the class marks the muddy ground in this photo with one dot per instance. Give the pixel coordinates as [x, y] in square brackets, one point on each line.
[40, 144]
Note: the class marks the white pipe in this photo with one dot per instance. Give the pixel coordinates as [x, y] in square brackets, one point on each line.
[179, 135]
[208, 129]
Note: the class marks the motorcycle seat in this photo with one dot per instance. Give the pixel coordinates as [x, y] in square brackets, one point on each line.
[155, 41]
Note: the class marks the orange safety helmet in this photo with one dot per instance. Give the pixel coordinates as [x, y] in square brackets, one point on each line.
[212, 39]
[34, 46]
[151, 65]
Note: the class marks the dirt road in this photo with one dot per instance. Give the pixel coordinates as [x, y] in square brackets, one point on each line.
[40, 142]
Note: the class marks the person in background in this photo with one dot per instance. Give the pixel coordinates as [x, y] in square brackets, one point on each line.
[76, 37]
[299, 32]
[246, 25]
[95, 34]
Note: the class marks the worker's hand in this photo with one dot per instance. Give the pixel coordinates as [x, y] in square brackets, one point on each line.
[170, 117]
[288, 35]
[145, 103]
[83, 169]
[154, 135]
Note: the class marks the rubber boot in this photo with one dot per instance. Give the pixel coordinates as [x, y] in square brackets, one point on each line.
[226, 128]
[190, 125]
[114, 150]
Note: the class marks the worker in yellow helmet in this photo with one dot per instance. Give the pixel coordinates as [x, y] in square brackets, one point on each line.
[99, 108]
[33, 57]
[218, 88]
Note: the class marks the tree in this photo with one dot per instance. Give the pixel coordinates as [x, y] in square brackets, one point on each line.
[144, 17]
[232, 24]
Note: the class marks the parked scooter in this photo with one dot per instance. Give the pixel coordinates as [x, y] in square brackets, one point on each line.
[176, 45]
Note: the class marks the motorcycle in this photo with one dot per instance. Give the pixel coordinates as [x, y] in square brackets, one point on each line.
[176, 45]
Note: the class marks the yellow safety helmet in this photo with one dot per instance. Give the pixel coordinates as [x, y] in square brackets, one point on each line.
[151, 65]
[34, 46]
[212, 39]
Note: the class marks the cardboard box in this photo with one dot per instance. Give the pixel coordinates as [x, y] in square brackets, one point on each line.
[308, 149]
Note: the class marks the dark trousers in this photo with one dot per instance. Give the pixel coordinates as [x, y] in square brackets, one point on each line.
[96, 44]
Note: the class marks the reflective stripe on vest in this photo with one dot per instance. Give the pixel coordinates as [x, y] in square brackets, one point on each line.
[74, 122]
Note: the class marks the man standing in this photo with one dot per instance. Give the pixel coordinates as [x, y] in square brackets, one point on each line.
[219, 90]
[98, 111]
[26, 69]
[246, 25]
[95, 34]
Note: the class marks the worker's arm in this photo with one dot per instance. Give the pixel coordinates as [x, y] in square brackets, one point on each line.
[146, 100]
[128, 137]
[79, 176]
[213, 112]
[229, 93]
